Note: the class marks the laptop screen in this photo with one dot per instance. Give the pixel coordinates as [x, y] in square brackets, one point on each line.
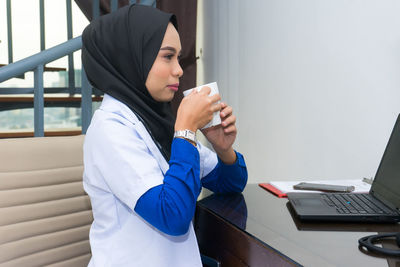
[386, 185]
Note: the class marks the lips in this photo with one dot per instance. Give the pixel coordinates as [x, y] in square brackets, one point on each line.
[174, 87]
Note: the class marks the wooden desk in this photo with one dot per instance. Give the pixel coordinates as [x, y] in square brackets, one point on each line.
[258, 229]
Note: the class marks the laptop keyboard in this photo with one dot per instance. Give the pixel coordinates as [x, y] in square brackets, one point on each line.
[355, 204]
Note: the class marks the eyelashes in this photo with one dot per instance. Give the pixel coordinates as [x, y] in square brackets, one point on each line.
[171, 56]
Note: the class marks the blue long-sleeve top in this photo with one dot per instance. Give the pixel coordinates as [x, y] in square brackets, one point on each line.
[170, 206]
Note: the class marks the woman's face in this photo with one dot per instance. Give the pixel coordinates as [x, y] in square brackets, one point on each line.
[163, 79]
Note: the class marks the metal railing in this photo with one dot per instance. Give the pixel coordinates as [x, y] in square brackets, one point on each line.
[96, 13]
[36, 64]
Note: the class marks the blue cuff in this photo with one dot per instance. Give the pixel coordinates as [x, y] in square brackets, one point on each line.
[226, 178]
[239, 161]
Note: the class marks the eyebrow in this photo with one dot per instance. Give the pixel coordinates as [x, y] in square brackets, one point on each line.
[170, 48]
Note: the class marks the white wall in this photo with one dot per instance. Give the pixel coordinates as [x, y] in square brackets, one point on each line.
[315, 84]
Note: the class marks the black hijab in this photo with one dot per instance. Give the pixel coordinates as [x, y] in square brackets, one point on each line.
[118, 51]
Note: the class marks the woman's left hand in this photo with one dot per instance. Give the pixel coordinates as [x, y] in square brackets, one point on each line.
[223, 136]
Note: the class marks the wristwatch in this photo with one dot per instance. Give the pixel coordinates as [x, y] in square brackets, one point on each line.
[186, 134]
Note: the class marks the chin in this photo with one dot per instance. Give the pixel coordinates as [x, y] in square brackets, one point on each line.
[165, 99]
[169, 98]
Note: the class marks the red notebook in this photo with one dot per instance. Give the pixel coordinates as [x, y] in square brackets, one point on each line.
[273, 190]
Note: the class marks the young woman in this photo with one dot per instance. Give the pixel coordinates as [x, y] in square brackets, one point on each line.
[144, 168]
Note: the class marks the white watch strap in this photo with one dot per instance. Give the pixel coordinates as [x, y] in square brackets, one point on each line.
[186, 134]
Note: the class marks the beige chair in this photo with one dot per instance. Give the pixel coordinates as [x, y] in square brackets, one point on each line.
[45, 214]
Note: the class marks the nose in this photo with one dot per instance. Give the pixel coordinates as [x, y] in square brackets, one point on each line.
[177, 71]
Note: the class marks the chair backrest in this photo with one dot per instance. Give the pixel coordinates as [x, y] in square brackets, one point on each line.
[45, 214]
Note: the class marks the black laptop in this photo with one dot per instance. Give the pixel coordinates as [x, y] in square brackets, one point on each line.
[381, 204]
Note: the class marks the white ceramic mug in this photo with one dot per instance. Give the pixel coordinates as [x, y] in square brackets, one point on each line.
[216, 120]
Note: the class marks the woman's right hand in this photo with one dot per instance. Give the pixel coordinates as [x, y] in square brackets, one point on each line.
[196, 110]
